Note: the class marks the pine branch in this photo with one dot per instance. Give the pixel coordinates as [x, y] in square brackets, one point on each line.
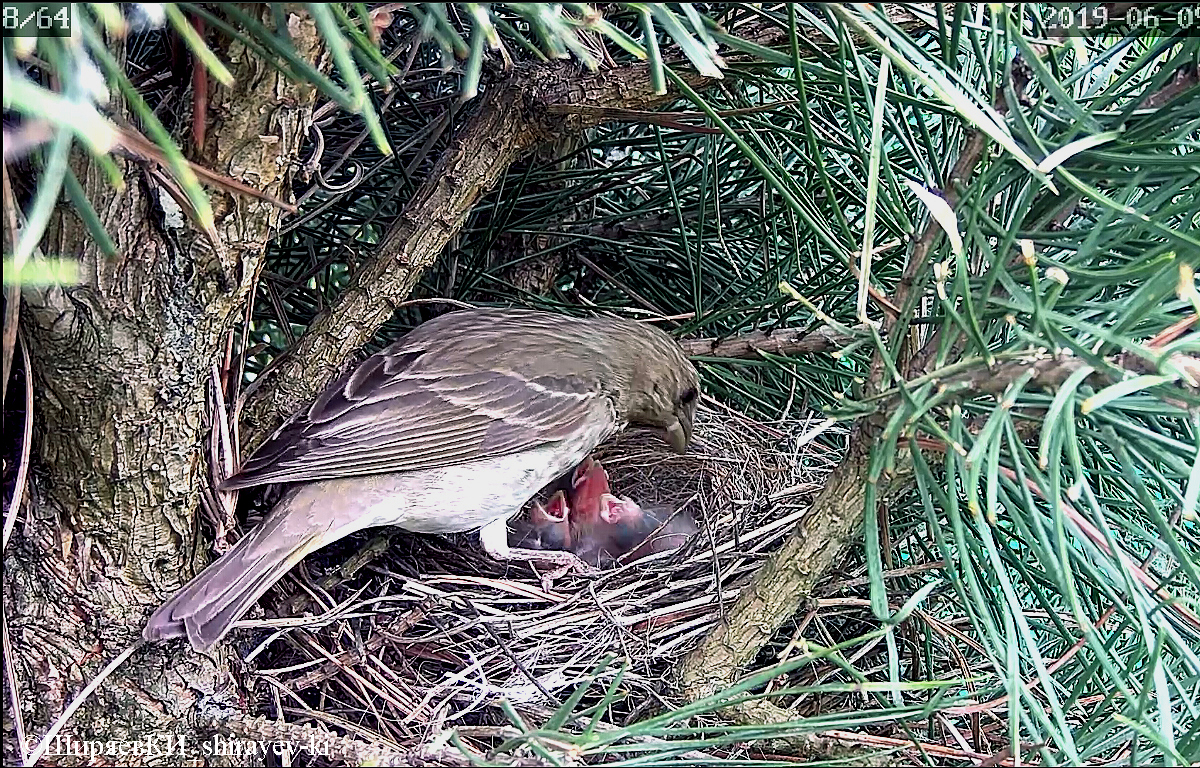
[532, 105]
[784, 342]
[510, 119]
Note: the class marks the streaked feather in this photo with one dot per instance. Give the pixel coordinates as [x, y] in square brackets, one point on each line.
[464, 386]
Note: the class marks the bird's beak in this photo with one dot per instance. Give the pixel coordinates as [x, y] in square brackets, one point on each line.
[615, 511]
[679, 434]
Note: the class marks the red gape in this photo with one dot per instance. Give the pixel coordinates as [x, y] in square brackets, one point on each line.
[600, 527]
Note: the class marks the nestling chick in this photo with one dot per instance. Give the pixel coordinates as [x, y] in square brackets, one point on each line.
[548, 527]
[601, 528]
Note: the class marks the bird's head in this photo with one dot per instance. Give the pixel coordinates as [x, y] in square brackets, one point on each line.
[662, 388]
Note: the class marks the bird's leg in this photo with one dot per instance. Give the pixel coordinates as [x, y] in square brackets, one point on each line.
[494, 538]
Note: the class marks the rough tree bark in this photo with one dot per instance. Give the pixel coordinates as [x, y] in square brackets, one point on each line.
[122, 366]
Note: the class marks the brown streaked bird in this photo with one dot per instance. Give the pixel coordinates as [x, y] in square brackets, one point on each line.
[453, 428]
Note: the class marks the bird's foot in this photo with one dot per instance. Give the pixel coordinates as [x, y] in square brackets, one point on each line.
[562, 562]
[494, 537]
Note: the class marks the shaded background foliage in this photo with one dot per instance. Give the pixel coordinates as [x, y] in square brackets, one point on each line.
[655, 219]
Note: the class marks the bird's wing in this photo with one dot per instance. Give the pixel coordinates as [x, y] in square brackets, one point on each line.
[408, 409]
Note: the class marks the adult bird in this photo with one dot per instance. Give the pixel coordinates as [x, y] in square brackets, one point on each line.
[452, 428]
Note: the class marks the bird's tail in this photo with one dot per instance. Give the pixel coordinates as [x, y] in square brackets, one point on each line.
[205, 609]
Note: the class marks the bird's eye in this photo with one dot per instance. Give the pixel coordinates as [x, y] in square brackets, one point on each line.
[688, 396]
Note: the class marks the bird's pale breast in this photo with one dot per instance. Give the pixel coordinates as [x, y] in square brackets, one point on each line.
[445, 500]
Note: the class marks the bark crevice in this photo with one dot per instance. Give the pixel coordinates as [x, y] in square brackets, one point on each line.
[122, 367]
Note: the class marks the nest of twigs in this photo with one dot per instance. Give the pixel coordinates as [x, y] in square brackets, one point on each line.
[412, 634]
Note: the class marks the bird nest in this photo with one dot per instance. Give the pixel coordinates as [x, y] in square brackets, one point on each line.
[409, 634]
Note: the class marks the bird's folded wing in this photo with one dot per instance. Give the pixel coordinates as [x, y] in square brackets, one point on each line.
[403, 410]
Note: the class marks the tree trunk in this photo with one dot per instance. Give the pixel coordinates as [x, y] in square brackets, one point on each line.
[122, 367]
